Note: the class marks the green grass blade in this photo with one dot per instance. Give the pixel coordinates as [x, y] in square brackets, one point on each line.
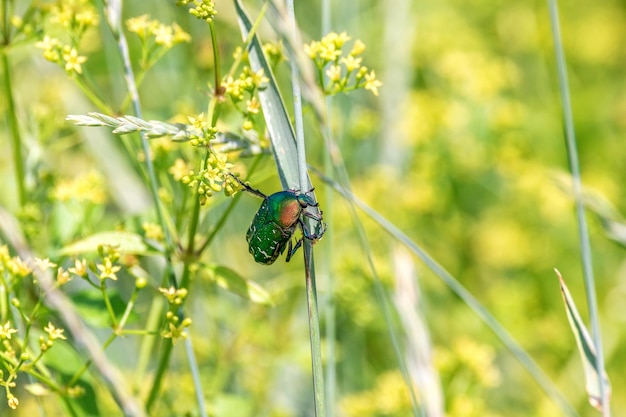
[588, 355]
[276, 117]
[583, 232]
[290, 159]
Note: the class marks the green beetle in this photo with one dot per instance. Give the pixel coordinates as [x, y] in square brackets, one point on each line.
[276, 221]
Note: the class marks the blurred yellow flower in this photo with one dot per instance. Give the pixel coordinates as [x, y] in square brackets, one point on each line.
[371, 83]
[53, 332]
[6, 330]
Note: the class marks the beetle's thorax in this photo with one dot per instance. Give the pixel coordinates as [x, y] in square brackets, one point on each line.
[289, 212]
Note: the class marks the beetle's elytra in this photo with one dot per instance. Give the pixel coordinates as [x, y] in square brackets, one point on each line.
[275, 223]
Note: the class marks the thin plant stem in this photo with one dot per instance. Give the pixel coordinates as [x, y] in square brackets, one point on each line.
[329, 306]
[164, 359]
[309, 266]
[314, 333]
[107, 303]
[583, 232]
[18, 157]
[195, 374]
[216, 61]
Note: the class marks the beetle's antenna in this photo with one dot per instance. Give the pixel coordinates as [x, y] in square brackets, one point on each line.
[248, 188]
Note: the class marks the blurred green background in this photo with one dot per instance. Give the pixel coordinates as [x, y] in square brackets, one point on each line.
[463, 150]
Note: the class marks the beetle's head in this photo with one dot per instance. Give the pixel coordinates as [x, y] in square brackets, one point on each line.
[306, 201]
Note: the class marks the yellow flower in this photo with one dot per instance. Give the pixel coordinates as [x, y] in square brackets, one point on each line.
[6, 331]
[80, 268]
[173, 295]
[337, 40]
[141, 25]
[179, 169]
[358, 48]
[258, 78]
[4, 253]
[73, 61]
[234, 88]
[86, 18]
[177, 332]
[329, 52]
[180, 35]
[351, 62]
[219, 162]
[44, 264]
[50, 48]
[312, 49]
[371, 83]
[53, 332]
[12, 401]
[84, 188]
[108, 270]
[334, 73]
[18, 267]
[153, 231]
[253, 106]
[63, 276]
[163, 35]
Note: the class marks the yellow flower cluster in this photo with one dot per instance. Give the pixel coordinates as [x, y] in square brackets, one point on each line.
[54, 333]
[164, 35]
[247, 82]
[390, 397]
[344, 72]
[175, 327]
[202, 9]
[274, 52]
[76, 16]
[476, 361]
[174, 296]
[153, 231]
[65, 56]
[86, 188]
[108, 268]
[13, 265]
[214, 178]
[25, 359]
[204, 131]
[244, 86]
[15, 357]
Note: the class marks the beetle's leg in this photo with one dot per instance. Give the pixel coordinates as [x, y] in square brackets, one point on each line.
[248, 188]
[314, 236]
[313, 215]
[291, 251]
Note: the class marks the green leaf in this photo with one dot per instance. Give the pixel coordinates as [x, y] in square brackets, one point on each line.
[586, 349]
[128, 242]
[231, 281]
[276, 116]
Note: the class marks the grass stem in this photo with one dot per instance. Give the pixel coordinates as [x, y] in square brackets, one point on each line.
[583, 231]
